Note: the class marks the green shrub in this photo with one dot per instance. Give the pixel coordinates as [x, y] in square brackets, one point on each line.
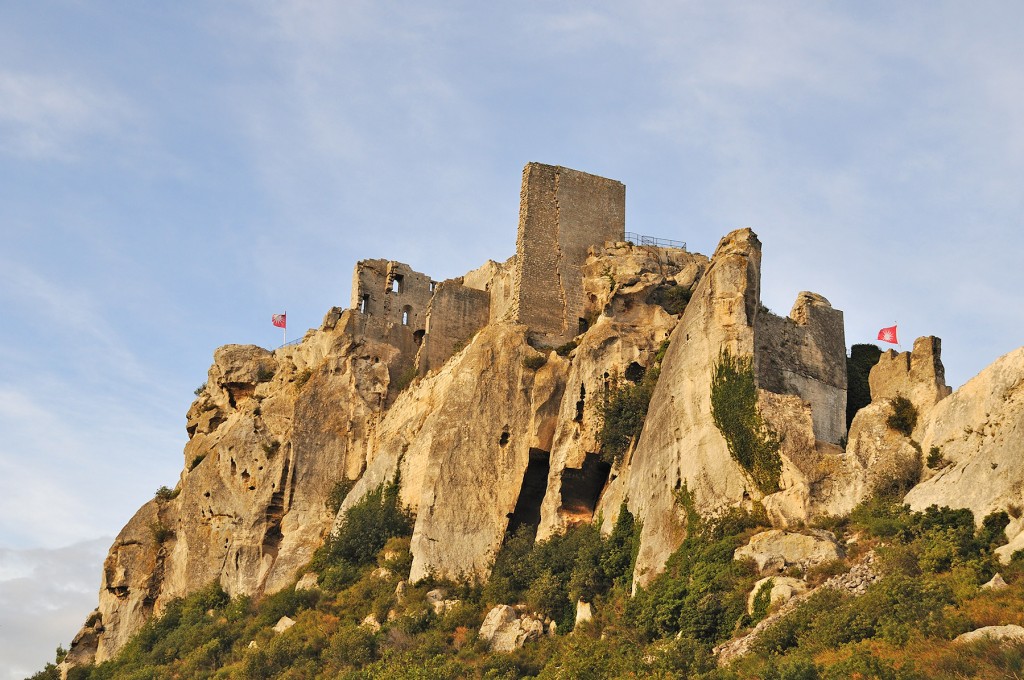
[365, 528]
[903, 417]
[535, 361]
[734, 408]
[702, 594]
[264, 374]
[160, 532]
[196, 461]
[199, 390]
[563, 350]
[405, 379]
[762, 600]
[165, 493]
[338, 493]
[936, 461]
[623, 410]
[673, 298]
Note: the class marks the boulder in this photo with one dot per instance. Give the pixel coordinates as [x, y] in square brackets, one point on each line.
[784, 588]
[309, 581]
[283, 624]
[776, 549]
[505, 631]
[584, 612]
[370, 622]
[1010, 633]
[995, 583]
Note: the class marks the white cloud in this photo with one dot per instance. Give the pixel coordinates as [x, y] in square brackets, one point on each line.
[45, 596]
[48, 117]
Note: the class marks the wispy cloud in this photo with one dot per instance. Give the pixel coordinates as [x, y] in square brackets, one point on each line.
[48, 117]
[45, 596]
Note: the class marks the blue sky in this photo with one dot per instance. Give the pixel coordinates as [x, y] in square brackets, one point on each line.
[171, 174]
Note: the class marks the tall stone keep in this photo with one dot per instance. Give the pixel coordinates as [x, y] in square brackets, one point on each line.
[562, 213]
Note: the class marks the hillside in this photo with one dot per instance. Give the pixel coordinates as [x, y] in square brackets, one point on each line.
[605, 434]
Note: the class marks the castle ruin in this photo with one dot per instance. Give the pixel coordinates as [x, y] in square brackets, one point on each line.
[563, 215]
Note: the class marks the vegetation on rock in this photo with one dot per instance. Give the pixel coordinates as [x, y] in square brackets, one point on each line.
[903, 417]
[734, 408]
[623, 410]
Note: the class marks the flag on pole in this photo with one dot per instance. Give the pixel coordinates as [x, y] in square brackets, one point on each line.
[888, 335]
[279, 320]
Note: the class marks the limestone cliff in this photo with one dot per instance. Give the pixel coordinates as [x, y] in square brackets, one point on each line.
[454, 388]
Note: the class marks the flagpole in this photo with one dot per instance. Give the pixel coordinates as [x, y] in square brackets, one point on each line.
[284, 329]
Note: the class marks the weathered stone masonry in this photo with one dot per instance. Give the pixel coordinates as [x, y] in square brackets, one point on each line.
[563, 213]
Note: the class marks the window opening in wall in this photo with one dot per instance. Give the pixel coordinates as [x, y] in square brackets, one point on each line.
[364, 303]
[433, 285]
[396, 284]
[406, 312]
[417, 337]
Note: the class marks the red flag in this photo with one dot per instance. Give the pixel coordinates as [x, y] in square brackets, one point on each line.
[888, 335]
[279, 320]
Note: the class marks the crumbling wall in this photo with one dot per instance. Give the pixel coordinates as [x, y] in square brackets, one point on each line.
[562, 213]
[497, 279]
[805, 355]
[455, 314]
[918, 375]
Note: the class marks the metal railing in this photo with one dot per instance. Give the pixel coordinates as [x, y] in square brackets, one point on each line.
[640, 239]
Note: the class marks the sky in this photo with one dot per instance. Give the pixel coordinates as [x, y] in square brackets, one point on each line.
[171, 174]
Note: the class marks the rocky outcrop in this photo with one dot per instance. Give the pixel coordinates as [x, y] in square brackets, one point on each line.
[624, 286]
[506, 631]
[783, 589]
[855, 582]
[774, 550]
[680, 444]
[979, 430]
[1011, 633]
[466, 441]
[269, 435]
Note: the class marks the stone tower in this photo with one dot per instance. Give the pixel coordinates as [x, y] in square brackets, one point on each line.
[562, 213]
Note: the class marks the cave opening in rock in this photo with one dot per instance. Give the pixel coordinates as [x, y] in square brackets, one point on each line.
[582, 487]
[634, 373]
[531, 494]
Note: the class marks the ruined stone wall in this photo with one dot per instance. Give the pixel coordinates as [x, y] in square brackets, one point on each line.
[455, 314]
[805, 355]
[917, 375]
[496, 278]
[562, 213]
[393, 294]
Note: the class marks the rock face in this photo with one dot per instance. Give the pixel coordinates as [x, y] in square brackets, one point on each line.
[775, 549]
[680, 444]
[460, 389]
[980, 430]
[801, 372]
